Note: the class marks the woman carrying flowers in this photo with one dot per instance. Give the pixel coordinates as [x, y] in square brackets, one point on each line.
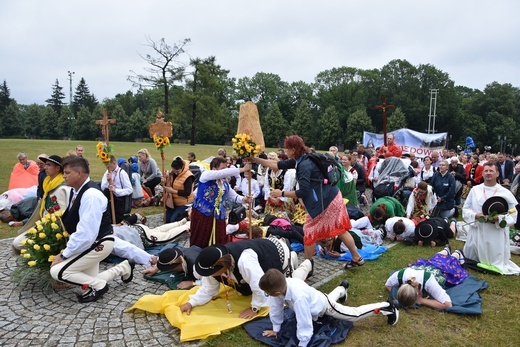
[208, 215]
[55, 193]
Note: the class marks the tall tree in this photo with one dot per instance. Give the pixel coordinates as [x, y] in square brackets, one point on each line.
[276, 127]
[330, 130]
[205, 99]
[5, 101]
[302, 124]
[357, 123]
[11, 120]
[396, 120]
[165, 70]
[56, 99]
[83, 97]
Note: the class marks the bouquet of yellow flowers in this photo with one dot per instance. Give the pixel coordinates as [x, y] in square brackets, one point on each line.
[244, 146]
[103, 152]
[44, 241]
[160, 141]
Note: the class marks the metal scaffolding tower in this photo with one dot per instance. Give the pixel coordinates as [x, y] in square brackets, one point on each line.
[433, 110]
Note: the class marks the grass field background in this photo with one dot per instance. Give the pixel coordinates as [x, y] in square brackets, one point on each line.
[498, 326]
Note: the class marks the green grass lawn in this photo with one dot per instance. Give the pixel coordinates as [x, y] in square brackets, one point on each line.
[498, 326]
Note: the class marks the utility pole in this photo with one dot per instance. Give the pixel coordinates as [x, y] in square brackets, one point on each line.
[433, 110]
[71, 109]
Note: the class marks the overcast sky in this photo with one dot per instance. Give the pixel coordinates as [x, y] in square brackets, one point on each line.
[475, 41]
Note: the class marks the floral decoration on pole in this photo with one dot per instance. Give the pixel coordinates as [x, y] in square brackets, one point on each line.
[160, 142]
[245, 148]
[103, 152]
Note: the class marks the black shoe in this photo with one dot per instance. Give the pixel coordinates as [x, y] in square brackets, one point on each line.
[345, 284]
[92, 295]
[131, 276]
[447, 248]
[393, 317]
[312, 268]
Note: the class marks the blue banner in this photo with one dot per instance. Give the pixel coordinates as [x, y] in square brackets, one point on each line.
[410, 141]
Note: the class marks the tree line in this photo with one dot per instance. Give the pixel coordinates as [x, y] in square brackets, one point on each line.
[202, 102]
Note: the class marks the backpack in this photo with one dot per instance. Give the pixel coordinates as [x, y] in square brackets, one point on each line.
[328, 166]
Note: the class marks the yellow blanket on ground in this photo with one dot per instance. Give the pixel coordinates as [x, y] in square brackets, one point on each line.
[209, 319]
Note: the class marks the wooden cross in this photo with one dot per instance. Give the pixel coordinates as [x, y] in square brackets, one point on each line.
[383, 107]
[104, 123]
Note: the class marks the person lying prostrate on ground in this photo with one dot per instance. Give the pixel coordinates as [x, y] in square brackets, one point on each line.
[241, 264]
[384, 208]
[399, 228]
[423, 282]
[435, 231]
[309, 304]
[173, 259]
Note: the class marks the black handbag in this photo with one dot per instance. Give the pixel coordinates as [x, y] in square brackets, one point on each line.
[237, 215]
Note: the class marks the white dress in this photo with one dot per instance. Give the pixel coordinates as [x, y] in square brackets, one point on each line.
[488, 243]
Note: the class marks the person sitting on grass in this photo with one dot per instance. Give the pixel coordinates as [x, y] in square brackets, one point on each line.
[309, 304]
[384, 208]
[424, 281]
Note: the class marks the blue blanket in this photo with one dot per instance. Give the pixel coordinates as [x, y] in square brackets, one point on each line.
[368, 252]
[327, 330]
[465, 296]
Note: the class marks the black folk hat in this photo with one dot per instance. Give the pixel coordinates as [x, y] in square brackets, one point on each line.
[169, 259]
[426, 231]
[208, 257]
[55, 159]
[495, 204]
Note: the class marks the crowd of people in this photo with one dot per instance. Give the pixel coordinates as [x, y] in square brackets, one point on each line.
[421, 208]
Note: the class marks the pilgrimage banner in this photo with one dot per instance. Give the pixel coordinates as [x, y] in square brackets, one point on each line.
[411, 141]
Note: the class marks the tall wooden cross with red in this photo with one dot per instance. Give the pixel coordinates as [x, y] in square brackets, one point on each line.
[104, 122]
[383, 107]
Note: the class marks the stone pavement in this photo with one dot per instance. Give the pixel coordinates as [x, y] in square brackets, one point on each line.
[32, 316]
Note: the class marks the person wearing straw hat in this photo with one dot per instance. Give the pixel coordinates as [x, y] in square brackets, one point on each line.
[240, 265]
[488, 241]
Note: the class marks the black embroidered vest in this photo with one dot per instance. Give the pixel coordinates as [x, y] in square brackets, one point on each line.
[268, 258]
[71, 216]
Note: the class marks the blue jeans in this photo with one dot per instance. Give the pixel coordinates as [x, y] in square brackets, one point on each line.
[175, 214]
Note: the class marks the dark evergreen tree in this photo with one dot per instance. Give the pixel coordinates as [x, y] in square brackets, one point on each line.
[83, 97]
[56, 100]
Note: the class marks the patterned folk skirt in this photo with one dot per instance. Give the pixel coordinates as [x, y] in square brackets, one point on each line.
[202, 227]
[332, 222]
[448, 266]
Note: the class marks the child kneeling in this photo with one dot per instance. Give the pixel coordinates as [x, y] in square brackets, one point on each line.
[309, 304]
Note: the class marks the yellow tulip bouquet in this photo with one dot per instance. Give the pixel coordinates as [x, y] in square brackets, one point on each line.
[43, 242]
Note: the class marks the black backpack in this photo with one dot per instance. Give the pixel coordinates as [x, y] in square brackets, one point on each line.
[329, 167]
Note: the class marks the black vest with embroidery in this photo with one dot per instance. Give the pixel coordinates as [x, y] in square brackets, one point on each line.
[71, 216]
[268, 258]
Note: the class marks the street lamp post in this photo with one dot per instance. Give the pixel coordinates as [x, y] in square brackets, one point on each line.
[71, 109]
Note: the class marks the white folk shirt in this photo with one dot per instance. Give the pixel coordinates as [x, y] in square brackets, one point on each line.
[251, 271]
[92, 206]
[121, 182]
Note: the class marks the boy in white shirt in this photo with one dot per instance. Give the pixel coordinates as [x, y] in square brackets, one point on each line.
[309, 304]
